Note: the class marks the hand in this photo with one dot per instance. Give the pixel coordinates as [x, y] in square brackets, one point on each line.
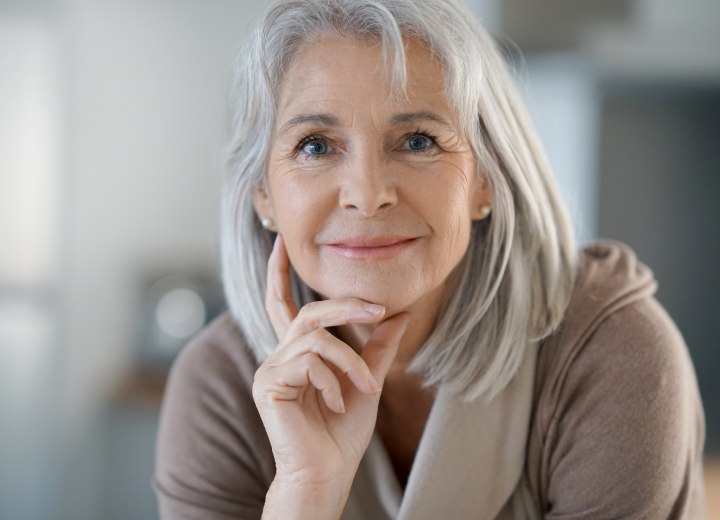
[317, 397]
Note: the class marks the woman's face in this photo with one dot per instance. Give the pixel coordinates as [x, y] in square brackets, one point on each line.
[374, 196]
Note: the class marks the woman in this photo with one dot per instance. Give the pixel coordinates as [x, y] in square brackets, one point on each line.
[411, 332]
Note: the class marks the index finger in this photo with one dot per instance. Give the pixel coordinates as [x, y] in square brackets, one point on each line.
[382, 347]
[279, 301]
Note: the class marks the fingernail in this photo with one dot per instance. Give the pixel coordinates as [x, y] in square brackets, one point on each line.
[372, 383]
[376, 310]
[341, 405]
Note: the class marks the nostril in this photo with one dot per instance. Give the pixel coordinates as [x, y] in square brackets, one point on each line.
[367, 195]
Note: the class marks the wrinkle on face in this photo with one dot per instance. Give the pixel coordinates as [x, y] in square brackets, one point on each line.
[366, 128]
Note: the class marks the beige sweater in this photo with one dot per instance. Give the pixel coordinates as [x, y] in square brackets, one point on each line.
[603, 421]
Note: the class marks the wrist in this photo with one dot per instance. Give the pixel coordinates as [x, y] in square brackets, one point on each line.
[291, 498]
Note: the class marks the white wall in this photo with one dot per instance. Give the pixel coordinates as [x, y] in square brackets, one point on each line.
[30, 145]
[146, 101]
[142, 103]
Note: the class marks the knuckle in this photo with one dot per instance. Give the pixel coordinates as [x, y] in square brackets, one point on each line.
[318, 337]
[309, 315]
[257, 389]
[258, 377]
[308, 360]
[274, 301]
[311, 307]
[256, 395]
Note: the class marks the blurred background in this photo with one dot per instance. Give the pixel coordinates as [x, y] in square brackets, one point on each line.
[111, 117]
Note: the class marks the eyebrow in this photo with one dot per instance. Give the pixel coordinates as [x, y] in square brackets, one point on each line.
[331, 121]
[317, 118]
[416, 117]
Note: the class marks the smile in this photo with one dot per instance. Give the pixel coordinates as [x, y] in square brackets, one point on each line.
[371, 248]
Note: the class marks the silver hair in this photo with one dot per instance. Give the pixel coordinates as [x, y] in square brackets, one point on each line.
[513, 285]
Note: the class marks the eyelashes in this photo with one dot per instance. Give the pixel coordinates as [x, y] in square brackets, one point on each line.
[419, 141]
[312, 146]
[316, 146]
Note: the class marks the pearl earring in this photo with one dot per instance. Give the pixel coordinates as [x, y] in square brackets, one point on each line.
[485, 211]
[267, 223]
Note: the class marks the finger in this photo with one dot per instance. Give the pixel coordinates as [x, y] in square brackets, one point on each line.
[331, 350]
[289, 381]
[382, 347]
[331, 313]
[279, 301]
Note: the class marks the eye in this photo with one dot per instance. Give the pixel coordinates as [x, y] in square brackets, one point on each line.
[313, 146]
[419, 142]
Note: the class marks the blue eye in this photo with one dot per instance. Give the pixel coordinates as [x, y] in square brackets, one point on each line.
[314, 146]
[419, 142]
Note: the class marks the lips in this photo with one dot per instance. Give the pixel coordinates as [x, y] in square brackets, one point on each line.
[371, 248]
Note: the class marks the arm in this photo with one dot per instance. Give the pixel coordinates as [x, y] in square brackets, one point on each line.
[317, 397]
[625, 439]
[288, 501]
[280, 441]
[213, 460]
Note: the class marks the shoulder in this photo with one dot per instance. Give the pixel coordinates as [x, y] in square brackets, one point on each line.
[212, 451]
[615, 292]
[218, 354]
[634, 358]
[614, 326]
[618, 421]
[213, 376]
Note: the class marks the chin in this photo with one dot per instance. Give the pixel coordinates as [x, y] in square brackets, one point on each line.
[395, 299]
[397, 288]
[378, 296]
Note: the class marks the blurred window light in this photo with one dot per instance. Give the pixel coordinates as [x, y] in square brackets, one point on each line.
[29, 154]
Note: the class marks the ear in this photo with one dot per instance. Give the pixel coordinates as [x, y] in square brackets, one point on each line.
[482, 200]
[264, 207]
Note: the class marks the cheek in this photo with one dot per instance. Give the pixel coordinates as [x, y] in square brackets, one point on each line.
[447, 197]
[301, 209]
[449, 215]
[296, 202]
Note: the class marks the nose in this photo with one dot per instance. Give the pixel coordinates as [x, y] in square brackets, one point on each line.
[368, 186]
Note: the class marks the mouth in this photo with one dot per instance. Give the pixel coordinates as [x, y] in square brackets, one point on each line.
[371, 248]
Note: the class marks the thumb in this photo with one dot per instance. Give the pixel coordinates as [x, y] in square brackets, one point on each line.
[382, 347]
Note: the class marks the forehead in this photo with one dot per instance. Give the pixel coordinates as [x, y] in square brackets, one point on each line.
[351, 69]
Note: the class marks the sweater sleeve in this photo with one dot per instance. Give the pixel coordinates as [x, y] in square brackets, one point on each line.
[625, 439]
[213, 459]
